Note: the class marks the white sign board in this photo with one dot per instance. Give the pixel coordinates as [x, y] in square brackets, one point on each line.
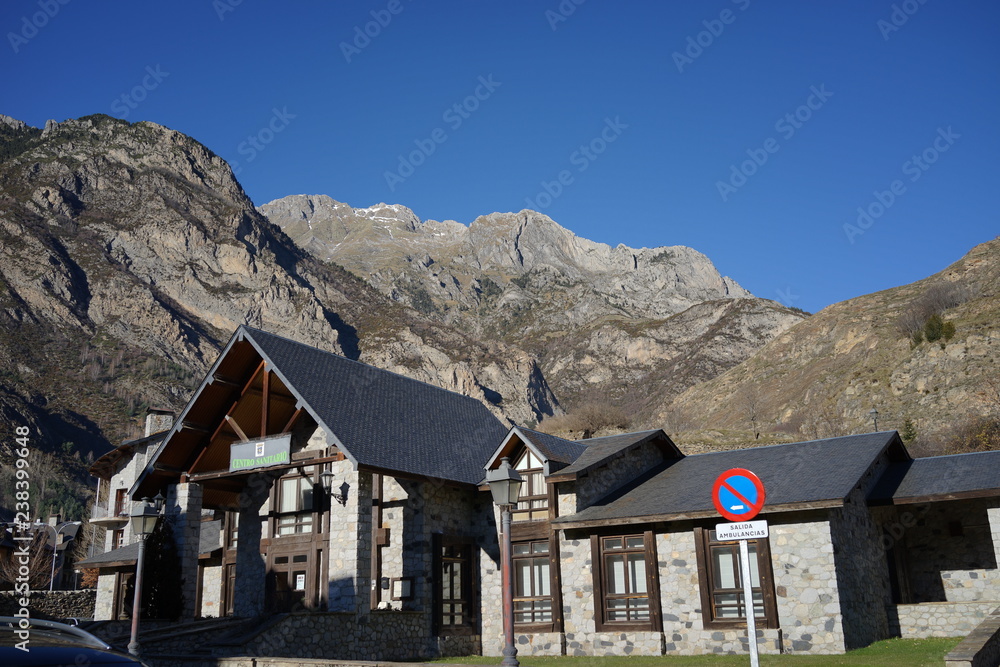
[743, 530]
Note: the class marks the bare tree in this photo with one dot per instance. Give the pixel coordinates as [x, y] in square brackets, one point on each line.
[750, 405]
[31, 563]
[587, 419]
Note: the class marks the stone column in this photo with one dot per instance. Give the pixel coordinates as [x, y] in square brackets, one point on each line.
[184, 510]
[350, 544]
[251, 572]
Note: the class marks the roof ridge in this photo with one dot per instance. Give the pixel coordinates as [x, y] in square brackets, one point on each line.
[355, 361]
[616, 435]
[789, 444]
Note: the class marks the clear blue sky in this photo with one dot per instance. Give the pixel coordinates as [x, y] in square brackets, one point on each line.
[305, 105]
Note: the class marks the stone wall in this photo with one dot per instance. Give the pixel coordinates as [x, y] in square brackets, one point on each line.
[51, 605]
[937, 619]
[385, 635]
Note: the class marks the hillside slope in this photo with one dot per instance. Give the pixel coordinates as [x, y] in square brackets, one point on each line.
[825, 375]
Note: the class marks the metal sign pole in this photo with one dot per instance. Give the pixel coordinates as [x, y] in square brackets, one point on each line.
[748, 603]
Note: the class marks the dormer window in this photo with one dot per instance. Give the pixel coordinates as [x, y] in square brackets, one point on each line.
[534, 500]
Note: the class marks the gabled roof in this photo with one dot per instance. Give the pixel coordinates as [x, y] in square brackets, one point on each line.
[818, 473]
[600, 450]
[382, 419]
[376, 418]
[973, 475]
[553, 447]
[554, 452]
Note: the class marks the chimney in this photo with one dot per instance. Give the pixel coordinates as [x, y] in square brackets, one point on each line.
[158, 419]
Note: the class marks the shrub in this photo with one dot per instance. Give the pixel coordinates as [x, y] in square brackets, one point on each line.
[948, 330]
[934, 328]
[976, 434]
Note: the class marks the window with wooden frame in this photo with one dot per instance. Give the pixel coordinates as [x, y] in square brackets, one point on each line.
[295, 505]
[121, 499]
[626, 582]
[533, 503]
[117, 539]
[721, 582]
[532, 584]
[454, 610]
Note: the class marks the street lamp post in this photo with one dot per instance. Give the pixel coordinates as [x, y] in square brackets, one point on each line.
[505, 484]
[55, 548]
[143, 523]
[873, 413]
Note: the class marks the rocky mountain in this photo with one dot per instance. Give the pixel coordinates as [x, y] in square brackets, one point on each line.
[824, 375]
[634, 326]
[128, 255]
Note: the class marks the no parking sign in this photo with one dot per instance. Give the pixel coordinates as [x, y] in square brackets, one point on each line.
[738, 494]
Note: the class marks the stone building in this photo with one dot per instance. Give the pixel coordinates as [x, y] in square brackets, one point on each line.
[347, 506]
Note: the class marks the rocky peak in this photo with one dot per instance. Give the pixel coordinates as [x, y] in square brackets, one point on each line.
[13, 123]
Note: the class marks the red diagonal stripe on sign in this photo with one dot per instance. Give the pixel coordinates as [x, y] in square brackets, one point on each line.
[740, 497]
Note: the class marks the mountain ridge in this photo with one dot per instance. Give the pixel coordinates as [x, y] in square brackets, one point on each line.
[525, 279]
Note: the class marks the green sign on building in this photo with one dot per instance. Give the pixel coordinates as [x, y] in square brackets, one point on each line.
[260, 453]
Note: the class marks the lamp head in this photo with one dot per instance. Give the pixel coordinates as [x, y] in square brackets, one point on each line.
[505, 483]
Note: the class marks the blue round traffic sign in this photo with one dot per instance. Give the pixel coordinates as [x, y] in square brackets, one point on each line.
[738, 494]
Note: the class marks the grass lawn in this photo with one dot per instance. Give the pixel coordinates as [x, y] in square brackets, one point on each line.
[888, 653]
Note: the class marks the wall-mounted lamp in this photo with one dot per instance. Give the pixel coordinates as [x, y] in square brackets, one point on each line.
[327, 479]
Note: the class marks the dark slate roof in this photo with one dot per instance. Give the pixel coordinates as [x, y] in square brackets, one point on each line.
[382, 419]
[941, 477]
[598, 450]
[818, 472]
[553, 448]
[209, 539]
